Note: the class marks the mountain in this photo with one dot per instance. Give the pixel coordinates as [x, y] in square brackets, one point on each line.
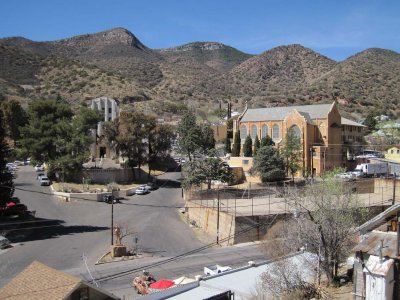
[200, 74]
[217, 56]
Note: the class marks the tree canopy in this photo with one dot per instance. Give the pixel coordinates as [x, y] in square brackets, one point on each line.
[206, 169]
[14, 117]
[291, 153]
[268, 164]
[194, 139]
[6, 180]
[248, 147]
[236, 145]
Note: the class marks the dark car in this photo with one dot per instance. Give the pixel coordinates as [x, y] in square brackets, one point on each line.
[109, 199]
[151, 186]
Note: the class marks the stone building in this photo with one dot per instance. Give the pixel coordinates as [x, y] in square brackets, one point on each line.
[109, 108]
[327, 139]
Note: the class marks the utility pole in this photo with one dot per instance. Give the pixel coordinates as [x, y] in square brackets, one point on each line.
[394, 188]
[112, 219]
[218, 215]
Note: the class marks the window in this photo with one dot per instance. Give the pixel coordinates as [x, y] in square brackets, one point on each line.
[392, 151]
[275, 132]
[253, 132]
[264, 132]
[296, 131]
[398, 151]
[359, 129]
[243, 133]
[109, 110]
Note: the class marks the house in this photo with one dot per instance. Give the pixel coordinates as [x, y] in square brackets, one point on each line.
[109, 109]
[240, 283]
[40, 282]
[377, 257]
[393, 153]
[328, 140]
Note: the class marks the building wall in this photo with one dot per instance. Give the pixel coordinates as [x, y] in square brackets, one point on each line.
[220, 132]
[322, 139]
[393, 153]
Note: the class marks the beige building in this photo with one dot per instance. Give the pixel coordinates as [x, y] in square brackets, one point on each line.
[40, 282]
[327, 139]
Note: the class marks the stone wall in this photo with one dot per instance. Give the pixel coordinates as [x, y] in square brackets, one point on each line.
[105, 176]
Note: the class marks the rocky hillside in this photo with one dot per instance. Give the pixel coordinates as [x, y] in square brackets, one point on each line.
[200, 74]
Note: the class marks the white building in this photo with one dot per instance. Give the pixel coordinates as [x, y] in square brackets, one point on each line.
[109, 108]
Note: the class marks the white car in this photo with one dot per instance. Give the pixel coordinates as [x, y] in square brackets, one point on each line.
[44, 180]
[141, 190]
[215, 269]
[39, 168]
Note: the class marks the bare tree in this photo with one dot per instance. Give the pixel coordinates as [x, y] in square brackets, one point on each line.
[325, 215]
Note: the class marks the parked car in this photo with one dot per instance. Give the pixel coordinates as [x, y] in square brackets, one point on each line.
[109, 199]
[16, 209]
[40, 175]
[141, 190]
[151, 186]
[39, 168]
[44, 180]
[4, 242]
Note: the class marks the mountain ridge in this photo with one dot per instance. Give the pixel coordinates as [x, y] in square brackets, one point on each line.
[201, 73]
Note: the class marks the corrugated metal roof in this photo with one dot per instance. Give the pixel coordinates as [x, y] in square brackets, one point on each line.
[373, 240]
[380, 219]
[241, 281]
[316, 111]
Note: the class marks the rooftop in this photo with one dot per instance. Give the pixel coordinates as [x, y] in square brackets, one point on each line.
[315, 111]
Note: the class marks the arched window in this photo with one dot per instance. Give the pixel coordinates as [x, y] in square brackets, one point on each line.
[243, 133]
[296, 131]
[253, 132]
[264, 132]
[275, 132]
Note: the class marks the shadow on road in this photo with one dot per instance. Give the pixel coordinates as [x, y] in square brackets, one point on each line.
[42, 229]
[168, 183]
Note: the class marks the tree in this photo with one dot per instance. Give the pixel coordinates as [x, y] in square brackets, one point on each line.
[205, 169]
[248, 147]
[206, 139]
[229, 128]
[160, 141]
[193, 139]
[268, 164]
[6, 180]
[76, 142]
[291, 152]
[236, 145]
[267, 141]
[256, 145]
[331, 213]
[129, 134]
[370, 122]
[15, 117]
[44, 136]
[227, 147]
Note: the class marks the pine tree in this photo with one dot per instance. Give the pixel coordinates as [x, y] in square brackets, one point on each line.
[228, 145]
[248, 147]
[267, 141]
[268, 164]
[236, 145]
[256, 145]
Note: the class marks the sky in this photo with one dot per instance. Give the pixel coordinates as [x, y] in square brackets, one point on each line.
[337, 29]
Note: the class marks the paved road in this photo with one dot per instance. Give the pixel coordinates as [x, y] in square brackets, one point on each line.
[85, 227]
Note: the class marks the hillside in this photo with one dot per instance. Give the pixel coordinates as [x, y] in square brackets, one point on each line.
[200, 74]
